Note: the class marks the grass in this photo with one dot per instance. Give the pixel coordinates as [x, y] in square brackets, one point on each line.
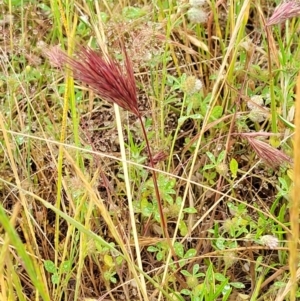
[80, 216]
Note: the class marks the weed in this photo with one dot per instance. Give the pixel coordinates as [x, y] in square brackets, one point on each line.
[65, 267]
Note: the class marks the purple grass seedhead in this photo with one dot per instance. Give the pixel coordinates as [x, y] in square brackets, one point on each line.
[55, 56]
[272, 156]
[285, 10]
[105, 77]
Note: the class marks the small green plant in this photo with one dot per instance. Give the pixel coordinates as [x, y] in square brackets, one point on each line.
[284, 187]
[212, 287]
[192, 279]
[214, 161]
[161, 249]
[182, 255]
[242, 225]
[109, 262]
[147, 206]
[215, 166]
[241, 222]
[192, 100]
[65, 267]
[110, 269]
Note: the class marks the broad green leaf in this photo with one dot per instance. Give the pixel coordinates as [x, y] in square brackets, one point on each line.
[55, 278]
[190, 210]
[107, 275]
[179, 250]
[183, 228]
[208, 166]
[182, 119]
[279, 284]
[190, 253]
[211, 157]
[233, 167]
[160, 256]
[50, 266]
[185, 292]
[146, 207]
[66, 266]
[216, 113]
[152, 249]
[220, 277]
[221, 156]
[196, 268]
[185, 273]
[108, 260]
[119, 260]
[104, 17]
[237, 284]
[220, 243]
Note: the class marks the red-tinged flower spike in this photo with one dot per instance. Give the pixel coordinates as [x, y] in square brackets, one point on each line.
[272, 156]
[55, 55]
[105, 77]
[287, 9]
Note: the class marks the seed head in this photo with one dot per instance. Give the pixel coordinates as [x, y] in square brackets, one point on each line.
[269, 241]
[256, 101]
[192, 281]
[54, 54]
[272, 156]
[197, 15]
[230, 258]
[258, 115]
[105, 77]
[192, 85]
[222, 169]
[287, 9]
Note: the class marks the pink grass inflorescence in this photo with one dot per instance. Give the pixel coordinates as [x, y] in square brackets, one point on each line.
[287, 9]
[106, 77]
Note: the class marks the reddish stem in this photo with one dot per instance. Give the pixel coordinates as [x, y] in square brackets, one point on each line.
[159, 202]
